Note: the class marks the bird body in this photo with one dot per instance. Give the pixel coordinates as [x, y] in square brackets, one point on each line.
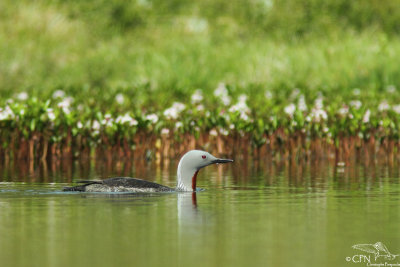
[119, 184]
[188, 167]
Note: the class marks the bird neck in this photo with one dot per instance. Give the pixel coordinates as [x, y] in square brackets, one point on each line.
[187, 178]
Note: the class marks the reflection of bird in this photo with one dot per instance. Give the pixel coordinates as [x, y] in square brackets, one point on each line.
[376, 249]
[188, 167]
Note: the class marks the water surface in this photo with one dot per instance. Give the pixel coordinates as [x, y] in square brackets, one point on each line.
[255, 214]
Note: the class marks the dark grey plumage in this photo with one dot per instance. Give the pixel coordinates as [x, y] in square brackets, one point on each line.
[119, 184]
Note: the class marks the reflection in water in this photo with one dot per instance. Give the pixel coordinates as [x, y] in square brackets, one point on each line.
[194, 228]
[252, 213]
[189, 216]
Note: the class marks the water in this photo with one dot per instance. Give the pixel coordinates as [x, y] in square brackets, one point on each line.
[258, 214]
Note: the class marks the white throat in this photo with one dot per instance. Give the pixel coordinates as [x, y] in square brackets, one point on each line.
[186, 177]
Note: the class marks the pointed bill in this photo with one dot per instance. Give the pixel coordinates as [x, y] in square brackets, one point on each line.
[217, 161]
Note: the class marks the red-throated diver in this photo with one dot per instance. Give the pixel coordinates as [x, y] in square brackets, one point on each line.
[188, 167]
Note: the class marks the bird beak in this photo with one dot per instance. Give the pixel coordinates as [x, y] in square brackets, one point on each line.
[217, 161]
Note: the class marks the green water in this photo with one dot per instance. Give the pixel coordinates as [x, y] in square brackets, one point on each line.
[249, 215]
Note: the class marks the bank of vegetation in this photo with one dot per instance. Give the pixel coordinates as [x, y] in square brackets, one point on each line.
[150, 79]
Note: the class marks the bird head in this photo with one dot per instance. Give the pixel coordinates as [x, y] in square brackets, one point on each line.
[190, 164]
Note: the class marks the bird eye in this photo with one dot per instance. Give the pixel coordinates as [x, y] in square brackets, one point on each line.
[204, 156]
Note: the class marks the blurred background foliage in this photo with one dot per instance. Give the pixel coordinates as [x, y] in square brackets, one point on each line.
[174, 47]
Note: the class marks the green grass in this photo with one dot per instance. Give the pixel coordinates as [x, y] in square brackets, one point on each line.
[45, 45]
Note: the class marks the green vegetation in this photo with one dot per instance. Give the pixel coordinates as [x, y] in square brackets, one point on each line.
[80, 74]
[180, 46]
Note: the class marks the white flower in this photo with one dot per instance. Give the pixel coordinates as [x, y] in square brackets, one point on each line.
[65, 104]
[133, 122]
[344, 110]
[197, 96]
[174, 111]
[79, 125]
[3, 116]
[320, 114]
[383, 106]
[126, 119]
[222, 93]
[396, 109]
[356, 104]
[121, 119]
[120, 98]
[290, 109]
[96, 125]
[22, 96]
[226, 100]
[240, 106]
[213, 132]
[223, 131]
[319, 103]
[165, 131]
[178, 125]
[69, 99]
[107, 122]
[200, 107]
[301, 105]
[317, 115]
[244, 116]
[6, 114]
[50, 114]
[220, 90]
[66, 110]
[59, 94]
[171, 113]
[179, 106]
[153, 118]
[366, 116]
